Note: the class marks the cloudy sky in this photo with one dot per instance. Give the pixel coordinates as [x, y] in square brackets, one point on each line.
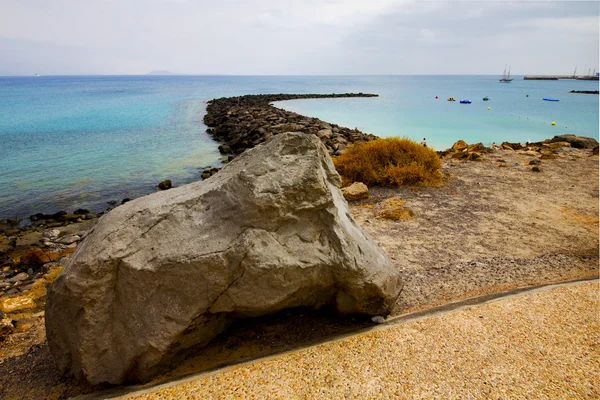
[330, 37]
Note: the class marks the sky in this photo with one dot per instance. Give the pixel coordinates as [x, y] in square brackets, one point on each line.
[297, 37]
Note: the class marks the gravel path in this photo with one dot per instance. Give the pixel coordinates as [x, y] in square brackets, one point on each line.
[542, 344]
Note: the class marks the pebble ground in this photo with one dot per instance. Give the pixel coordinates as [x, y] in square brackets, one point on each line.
[543, 344]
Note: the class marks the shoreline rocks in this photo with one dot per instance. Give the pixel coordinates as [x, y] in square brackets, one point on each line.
[243, 122]
[546, 150]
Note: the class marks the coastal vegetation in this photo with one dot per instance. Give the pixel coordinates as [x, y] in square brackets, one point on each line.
[390, 162]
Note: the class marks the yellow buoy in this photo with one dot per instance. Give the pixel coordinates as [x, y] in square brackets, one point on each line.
[553, 123]
[489, 108]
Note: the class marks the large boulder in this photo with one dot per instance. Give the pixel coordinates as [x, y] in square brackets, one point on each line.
[171, 270]
[579, 142]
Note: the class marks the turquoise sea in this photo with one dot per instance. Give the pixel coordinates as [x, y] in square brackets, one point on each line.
[80, 142]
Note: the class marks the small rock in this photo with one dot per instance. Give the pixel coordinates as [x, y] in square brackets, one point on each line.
[69, 239]
[356, 191]
[378, 319]
[536, 169]
[535, 162]
[26, 288]
[19, 277]
[460, 145]
[165, 185]
[51, 233]
[81, 211]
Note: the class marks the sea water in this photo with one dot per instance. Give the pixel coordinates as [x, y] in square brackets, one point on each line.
[80, 142]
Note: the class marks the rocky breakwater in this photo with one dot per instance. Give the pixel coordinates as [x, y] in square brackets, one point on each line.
[168, 272]
[246, 121]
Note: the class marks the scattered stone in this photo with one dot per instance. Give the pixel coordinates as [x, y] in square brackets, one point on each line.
[557, 145]
[512, 146]
[50, 233]
[578, 142]
[36, 256]
[19, 277]
[536, 169]
[378, 319]
[12, 304]
[224, 149]
[535, 162]
[463, 155]
[271, 231]
[460, 145]
[356, 191]
[81, 211]
[476, 148]
[69, 239]
[165, 185]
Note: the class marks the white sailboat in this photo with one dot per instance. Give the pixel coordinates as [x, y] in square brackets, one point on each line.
[506, 77]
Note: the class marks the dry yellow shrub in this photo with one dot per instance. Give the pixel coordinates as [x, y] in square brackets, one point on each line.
[393, 208]
[390, 162]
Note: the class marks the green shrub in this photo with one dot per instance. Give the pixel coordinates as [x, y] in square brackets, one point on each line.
[390, 162]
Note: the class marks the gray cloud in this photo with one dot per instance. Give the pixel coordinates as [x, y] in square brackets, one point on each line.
[296, 36]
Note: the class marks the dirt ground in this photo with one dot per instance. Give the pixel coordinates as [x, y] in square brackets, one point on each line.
[492, 226]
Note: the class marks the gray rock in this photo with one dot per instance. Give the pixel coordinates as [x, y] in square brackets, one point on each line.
[169, 271]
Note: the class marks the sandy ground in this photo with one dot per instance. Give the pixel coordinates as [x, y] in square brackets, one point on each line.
[494, 225]
[538, 345]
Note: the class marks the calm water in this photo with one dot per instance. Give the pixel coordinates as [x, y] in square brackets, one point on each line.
[71, 142]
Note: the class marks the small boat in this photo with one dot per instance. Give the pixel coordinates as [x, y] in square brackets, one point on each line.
[465, 102]
[451, 99]
[549, 99]
[506, 77]
[486, 98]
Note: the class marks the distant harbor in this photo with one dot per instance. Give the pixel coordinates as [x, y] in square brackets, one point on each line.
[557, 77]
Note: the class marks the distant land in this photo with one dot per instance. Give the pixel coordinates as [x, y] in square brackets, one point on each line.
[162, 73]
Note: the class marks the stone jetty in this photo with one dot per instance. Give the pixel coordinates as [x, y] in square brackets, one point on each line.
[243, 122]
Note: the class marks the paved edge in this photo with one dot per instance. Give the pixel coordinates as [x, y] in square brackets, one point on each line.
[124, 393]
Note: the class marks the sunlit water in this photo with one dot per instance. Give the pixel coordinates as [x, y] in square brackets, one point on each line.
[71, 142]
